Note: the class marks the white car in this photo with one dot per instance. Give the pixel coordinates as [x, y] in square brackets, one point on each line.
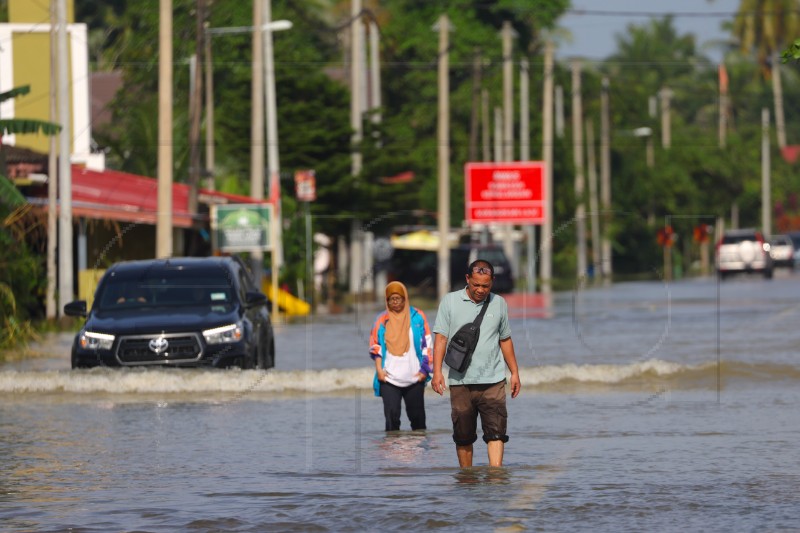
[743, 251]
[781, 249]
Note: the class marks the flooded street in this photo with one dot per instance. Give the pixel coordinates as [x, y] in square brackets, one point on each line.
[645, 406]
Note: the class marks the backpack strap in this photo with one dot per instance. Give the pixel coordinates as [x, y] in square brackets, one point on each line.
[479, 318]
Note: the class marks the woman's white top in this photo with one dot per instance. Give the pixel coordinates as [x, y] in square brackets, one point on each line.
[403, 371]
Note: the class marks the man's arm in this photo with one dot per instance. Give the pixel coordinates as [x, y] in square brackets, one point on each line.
[507, 347]
[439, 345]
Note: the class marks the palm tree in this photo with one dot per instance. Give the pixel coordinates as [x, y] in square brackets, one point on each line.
[764, 27]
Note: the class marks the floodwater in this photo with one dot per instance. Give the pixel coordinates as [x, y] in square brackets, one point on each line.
[645, 406]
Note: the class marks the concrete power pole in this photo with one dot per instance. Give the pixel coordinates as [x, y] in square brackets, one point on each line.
[375, 99]
[559, 111]
[594, 209]
[577, 143]
[257, 136]
[356, 49]
[164, 217]
[777, 89]
[486, 125]
[196, 109]
[508, 93]
[525, 155]
[508, 133]
[723, 105]
[66, 288]
[51, 310]
[273, 161]
[547, 153]
[257, 106]
[605, 180]
[665, 95]
[474, 121]
[443, 137]
[766, 192]
[355, 85]
[209, 74]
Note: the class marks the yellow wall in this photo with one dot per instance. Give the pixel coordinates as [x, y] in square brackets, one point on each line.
[35, 12]
[31, 60]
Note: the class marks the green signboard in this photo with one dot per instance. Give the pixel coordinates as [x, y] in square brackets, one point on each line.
[241, 227]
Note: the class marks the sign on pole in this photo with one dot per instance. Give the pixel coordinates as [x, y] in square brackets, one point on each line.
[241, 227]
[512, 192]
[305, 185]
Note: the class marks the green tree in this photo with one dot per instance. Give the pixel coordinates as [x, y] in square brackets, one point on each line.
[20, 269]
[764, 27]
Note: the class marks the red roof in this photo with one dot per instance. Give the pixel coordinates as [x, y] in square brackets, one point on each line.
[115, 195]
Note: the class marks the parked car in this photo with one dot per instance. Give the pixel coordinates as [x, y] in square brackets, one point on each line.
[464, 254]
[741, 251]
[781, 249]
[795, 236]
[175, 312]
[419, 268]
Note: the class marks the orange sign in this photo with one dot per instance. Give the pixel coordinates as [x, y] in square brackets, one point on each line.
[305, 185]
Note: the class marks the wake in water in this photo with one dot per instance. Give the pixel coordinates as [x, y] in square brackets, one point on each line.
[549, 378]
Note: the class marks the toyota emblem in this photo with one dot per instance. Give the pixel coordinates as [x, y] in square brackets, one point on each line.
[159, 345]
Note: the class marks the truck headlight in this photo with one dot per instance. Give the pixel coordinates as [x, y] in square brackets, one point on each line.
[96, 341]
[223, 334]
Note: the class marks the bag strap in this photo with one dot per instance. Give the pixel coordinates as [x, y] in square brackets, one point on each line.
[479, 318]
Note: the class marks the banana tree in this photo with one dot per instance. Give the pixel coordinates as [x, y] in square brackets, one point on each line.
[9, 195]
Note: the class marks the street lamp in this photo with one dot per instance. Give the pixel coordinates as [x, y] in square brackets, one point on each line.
[275, 25]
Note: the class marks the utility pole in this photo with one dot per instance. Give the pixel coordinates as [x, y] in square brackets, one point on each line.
[594, 219]
[666, 124]
[443, 137]
[257, 141]
[498, 134]
[164, 217]
[508, 93]
[257, 106]
[777, 88]
[723, 105]
[273, 162]
[486, 142]
[196, 109]
[547, 151]
[559, 112]
[577, 152]
[508, 133]
[650, 153]
[51, 309]
[209, 72]
[525, 155]
[356, 48]
[605, 179]
[66, 289]
[474, 121]
[766, 192]
[375, 72]
[355, 86]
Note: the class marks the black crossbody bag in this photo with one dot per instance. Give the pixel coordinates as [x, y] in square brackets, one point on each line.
[459, 351]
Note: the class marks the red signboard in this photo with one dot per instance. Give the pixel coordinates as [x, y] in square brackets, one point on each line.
[512, 192]
[305, 185]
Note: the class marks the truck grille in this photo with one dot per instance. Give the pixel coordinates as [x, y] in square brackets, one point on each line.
[180, 347]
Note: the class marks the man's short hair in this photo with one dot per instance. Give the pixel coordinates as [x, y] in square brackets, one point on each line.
[478, 264]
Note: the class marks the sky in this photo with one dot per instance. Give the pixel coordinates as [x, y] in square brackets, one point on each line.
[594, 23]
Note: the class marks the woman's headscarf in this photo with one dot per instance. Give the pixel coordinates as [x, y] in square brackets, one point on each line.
[397, 326]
